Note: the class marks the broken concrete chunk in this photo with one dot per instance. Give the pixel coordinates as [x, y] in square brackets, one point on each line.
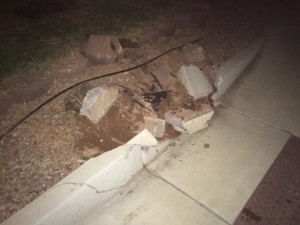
[103, 49]
[189, 121]
[162, 77]
[97, 102]
[194, 81]
[194, 52]
[156, 126]
[144, 138]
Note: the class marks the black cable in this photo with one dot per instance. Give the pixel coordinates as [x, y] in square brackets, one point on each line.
[88, 80]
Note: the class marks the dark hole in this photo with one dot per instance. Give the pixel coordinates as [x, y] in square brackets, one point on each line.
[112, 46]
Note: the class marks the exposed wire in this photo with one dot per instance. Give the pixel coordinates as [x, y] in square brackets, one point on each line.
[91, 79]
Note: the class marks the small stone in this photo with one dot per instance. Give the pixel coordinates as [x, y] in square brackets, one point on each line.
[90, 152]
[103, 49]
[155, 126]
[97, 102]
[195, 82]
[194, 52]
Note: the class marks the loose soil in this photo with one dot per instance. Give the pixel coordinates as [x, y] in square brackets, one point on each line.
[56, 139]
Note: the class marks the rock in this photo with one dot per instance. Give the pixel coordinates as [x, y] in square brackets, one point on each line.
[195, 81]
[97, 102]
[75, 67]
[103, 49]
[189, 121]
[155, 126]
[162, 77]
[90, 152]
[31, 92]
[194, 52]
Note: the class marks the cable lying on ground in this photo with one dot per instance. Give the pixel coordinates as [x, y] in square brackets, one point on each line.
[91, 79]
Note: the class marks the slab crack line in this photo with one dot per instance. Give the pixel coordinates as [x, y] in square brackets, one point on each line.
[187, 195]
[88, 185]
[255, 119]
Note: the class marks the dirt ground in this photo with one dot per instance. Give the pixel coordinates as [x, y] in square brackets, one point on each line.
[56, 140]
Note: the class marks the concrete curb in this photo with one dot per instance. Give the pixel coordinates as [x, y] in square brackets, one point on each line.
[101, 178]
[94, 183]
[233, 68]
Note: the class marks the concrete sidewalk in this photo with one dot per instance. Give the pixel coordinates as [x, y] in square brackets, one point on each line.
[206, 178]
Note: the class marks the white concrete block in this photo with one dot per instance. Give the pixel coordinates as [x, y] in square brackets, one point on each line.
[94, 183]
[97, 102]
[144, 138]
[195, 81]
[189, 121]
[157, 127]
[149, 153]
[231, 69]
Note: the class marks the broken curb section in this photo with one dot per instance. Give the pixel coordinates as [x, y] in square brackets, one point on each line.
[100, 179]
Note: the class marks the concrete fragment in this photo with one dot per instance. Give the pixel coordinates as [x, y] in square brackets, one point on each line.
[94, 183]
[103, 49]
[194, 52]
[232, 68]
[144, 138]
[189, 121]
[156, 126]
[149, 153]
[97, 102]
[161, 77]
[194, 81]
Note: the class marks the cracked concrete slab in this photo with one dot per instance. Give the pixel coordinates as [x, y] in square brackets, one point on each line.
[150, 201]
[94, 183]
